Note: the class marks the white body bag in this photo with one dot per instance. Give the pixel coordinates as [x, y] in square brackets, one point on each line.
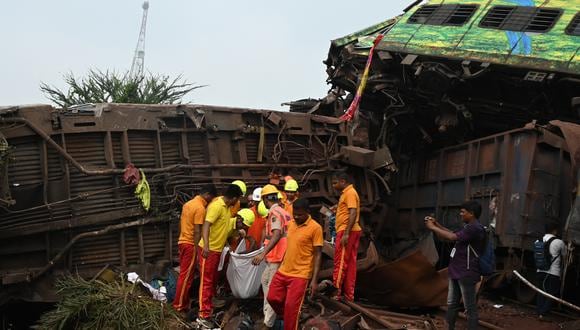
[245, 279]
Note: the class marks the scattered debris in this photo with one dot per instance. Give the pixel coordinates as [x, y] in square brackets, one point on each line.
[113, 304]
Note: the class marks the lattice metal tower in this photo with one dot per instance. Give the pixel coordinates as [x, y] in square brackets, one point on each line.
[139, 58]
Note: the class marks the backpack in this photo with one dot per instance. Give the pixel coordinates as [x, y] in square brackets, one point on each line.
[487, 258]
[542, 256]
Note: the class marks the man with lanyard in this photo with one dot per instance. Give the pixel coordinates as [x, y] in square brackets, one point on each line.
[463, 267]
[192, 217]
[275, 245]
[216, 229]
[550, 279]
[301, 265]
[348, 233]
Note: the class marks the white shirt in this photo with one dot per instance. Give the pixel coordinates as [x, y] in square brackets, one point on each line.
[558, 252]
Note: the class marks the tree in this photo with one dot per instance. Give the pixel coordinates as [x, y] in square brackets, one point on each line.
[106, 87]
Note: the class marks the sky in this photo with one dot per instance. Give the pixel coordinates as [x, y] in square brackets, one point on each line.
[254, 53]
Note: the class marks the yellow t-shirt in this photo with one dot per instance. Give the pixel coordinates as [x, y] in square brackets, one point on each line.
[301, 240]
[348, 200]
[234, 208]
[222, 224]
[192, 213]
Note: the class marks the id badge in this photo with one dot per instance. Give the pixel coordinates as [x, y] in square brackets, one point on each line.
[452, 253]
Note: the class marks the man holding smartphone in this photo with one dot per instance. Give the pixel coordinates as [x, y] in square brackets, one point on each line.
[464, 272]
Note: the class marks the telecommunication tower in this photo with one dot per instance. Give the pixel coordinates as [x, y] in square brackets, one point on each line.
[139, 58]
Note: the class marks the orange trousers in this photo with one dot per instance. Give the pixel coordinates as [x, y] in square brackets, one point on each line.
[208, 270]
[187, 262]
[344, 275]
[285, 295]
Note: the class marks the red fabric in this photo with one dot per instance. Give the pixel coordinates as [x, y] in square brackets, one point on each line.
[208, 270]
[131, 175]
[344, 276]
[187, 262]
[352, 109]
[286, 295]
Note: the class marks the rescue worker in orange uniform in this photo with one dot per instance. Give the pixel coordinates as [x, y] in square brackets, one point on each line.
[258, 228]
[348, 233]
[290, 195]
[300, 266]
[236, 207]
[216, 229]
[192, 217]
[275, 245]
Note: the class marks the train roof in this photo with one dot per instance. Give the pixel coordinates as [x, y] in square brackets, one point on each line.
[543, 35]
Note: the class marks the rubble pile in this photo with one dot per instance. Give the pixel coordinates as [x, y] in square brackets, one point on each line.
[111, 303]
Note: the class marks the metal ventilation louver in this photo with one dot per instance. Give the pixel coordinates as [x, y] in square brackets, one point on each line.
[574, 26]
[421, 15]
[455, 15]
[521, 19]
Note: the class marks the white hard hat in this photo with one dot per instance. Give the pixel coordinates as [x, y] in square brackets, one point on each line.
[257, 194]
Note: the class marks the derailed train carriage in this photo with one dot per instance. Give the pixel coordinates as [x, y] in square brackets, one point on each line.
[475, 100]
[66, 206]
[442, 120]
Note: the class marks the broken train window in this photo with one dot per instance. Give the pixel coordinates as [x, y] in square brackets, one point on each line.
[574, 26]
[455, 15]
[521, 19]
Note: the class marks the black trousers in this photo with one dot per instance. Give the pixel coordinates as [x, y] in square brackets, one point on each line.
[550, 284]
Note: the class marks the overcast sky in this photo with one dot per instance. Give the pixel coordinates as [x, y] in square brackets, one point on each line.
[254, 54]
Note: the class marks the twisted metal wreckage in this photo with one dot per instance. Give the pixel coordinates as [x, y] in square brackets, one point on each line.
[438, 123]
[67, 208]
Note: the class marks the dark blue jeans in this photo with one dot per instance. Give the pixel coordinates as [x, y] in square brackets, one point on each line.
[548, 283]
[458, 289]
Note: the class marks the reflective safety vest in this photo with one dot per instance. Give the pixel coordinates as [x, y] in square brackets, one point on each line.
[277, 253]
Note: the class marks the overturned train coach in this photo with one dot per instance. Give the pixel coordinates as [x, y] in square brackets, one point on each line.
[68, 205]
[475, 100]
[459, 105]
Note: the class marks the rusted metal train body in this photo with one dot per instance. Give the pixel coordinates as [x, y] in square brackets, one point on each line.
[65, 206]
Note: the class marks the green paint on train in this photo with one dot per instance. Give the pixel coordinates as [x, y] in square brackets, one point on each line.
[552, 50]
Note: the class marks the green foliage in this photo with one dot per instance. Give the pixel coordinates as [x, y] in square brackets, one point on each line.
[100, 305]
[106, 87]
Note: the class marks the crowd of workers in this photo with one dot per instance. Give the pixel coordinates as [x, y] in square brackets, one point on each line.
[281, 224]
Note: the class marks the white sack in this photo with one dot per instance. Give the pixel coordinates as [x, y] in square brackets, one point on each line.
[243, 276]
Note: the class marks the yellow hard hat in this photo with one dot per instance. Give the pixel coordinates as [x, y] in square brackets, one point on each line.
[248, 216]
[269, 189]
[262, 209]
[291, 185]
[242, 186]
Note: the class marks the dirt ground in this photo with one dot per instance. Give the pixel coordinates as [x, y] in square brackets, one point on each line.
[510, 315]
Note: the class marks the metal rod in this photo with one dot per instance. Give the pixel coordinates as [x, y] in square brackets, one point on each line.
[373, 316]
[393, 314]
[535, 288]
[335, 304]
[107, 171]
[99, 232]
